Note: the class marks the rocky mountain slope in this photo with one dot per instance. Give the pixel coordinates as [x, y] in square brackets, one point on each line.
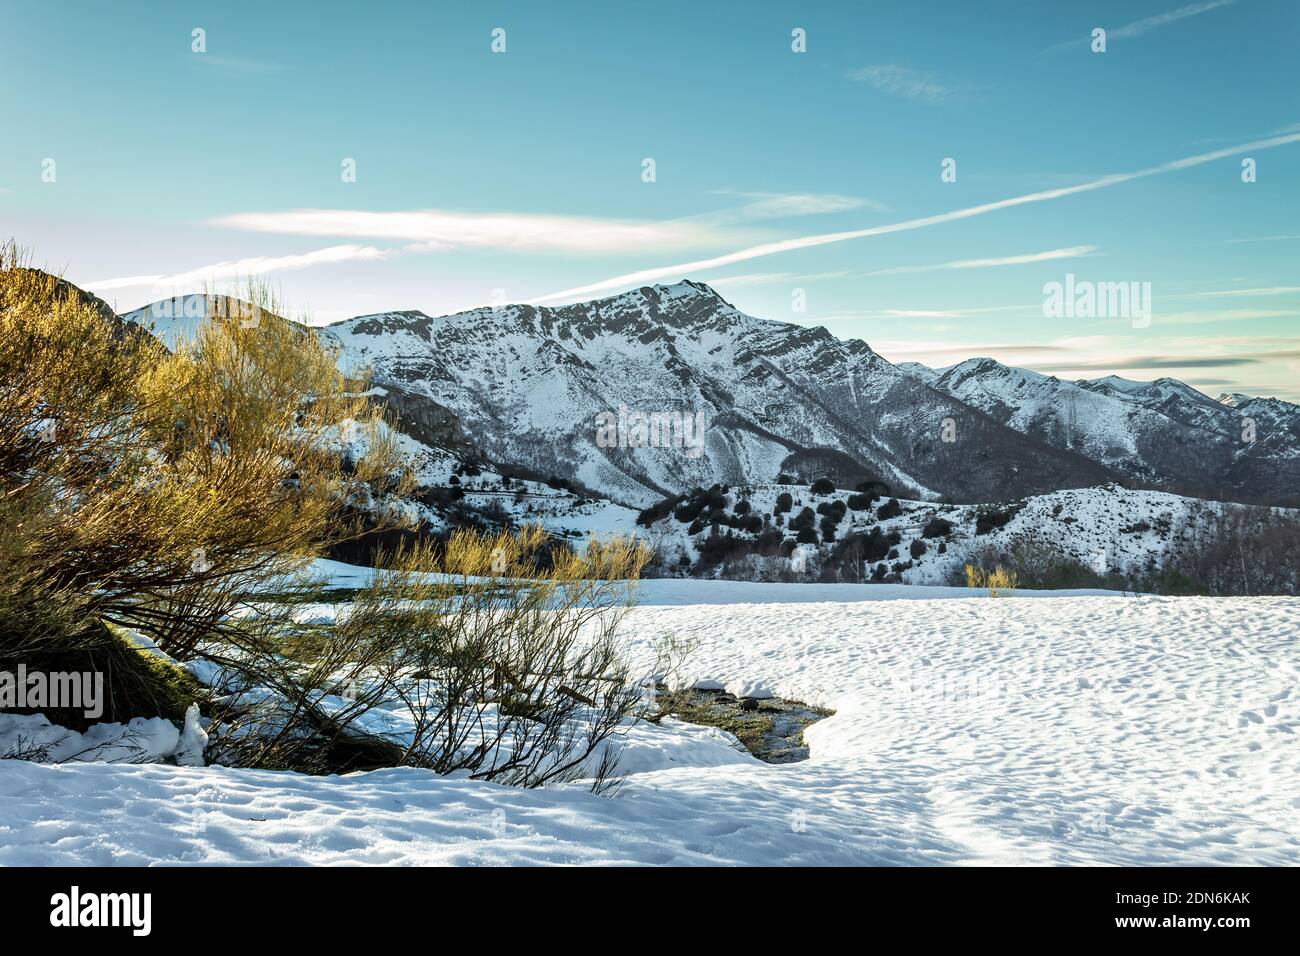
[1162, 433]
[531, 384]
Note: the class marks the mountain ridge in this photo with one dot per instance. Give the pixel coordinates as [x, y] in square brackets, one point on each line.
[777, 395]
[527, 383]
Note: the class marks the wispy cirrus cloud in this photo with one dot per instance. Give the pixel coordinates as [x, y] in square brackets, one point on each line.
[518, 232]
[1147, 363]
[921, 313]
[1070, 252]
[236, 63]
[1246, 293]
[242, 268]
[435, 229]
[1145, 25]
[1223, 315]
[1247, 364]
[766, 205]
[1031, 308]
[903, 81]
[807, 242]
[767, 278]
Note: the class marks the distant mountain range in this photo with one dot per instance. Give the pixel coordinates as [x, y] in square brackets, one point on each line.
[1163, 434]
[530, 388]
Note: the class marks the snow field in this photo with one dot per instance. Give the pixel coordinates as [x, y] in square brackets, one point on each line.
[1063, 730]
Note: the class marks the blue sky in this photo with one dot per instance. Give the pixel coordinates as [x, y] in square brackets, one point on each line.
[518, 176]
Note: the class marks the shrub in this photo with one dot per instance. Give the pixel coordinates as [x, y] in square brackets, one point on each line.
[890, 509]
[917, 548]
[937, 527]
[991, 519]
[157, 487]
[804, 519]
[784, 502]
[1042, 566]
[872, 489]
[822, 486]
[999, 580]
[688, 511]
[155, 492]
[509, 672]
[875, 545]
[657, 512]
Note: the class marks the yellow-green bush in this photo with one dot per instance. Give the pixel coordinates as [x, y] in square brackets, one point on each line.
[998, 580]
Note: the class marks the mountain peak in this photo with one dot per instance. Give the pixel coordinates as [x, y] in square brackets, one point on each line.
[687, 292]
[1126, 385]
[687, 288]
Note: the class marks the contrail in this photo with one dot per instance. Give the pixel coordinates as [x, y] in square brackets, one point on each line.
[807, 242]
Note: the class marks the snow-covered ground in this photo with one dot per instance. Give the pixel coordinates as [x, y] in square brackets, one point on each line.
[1082, 729]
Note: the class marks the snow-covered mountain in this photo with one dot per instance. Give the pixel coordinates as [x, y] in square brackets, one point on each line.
[530, 386]
[1164, 433]
[456, 484]
[649, 393]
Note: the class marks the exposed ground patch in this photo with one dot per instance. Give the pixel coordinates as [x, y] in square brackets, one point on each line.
[771, 729]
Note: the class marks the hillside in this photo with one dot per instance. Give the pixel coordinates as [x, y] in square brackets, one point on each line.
[1117, 537]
